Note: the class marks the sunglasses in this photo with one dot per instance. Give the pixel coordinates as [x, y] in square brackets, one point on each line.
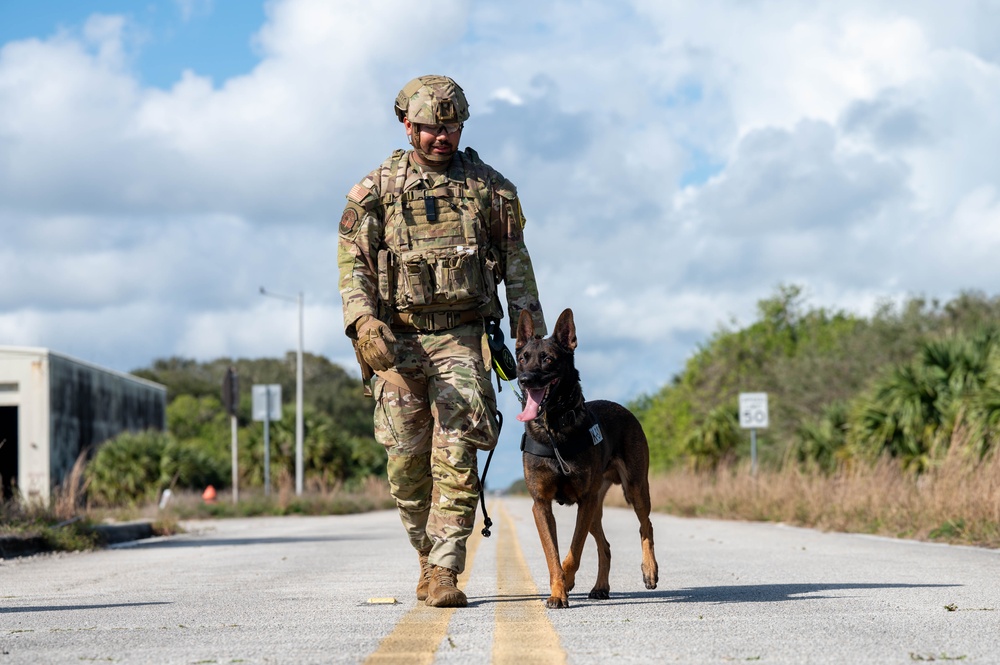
[437, 130]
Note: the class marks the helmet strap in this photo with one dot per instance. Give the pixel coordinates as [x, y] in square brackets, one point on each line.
[426, 156]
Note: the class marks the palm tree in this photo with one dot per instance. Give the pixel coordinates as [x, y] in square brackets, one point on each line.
[914, 411]
[715, 439]
[825, 442]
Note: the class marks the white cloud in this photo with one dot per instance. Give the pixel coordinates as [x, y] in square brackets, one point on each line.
[676, 162]
[191, 8]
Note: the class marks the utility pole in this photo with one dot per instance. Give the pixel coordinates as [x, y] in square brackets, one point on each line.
[299, 428]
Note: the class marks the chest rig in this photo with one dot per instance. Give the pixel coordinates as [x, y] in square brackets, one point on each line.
[438, 257]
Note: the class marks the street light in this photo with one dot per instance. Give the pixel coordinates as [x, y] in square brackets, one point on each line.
[298, 389]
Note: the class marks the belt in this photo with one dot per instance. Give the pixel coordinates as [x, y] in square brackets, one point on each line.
[431, 322]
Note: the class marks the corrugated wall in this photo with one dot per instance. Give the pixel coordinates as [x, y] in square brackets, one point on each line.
[89, 405]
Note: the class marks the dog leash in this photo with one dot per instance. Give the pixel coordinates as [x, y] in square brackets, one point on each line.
[487, 522]
[552, 442]
[506, 370]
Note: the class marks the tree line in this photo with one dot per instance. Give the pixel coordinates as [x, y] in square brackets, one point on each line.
[915, 381]
[338, 440]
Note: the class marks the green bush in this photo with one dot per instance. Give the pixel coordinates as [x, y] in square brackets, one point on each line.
[135, 467]
[126, 469]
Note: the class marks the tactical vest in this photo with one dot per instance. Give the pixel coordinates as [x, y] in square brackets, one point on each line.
[439, 254]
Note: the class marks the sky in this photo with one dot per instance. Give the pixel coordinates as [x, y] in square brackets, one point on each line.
[161, 160]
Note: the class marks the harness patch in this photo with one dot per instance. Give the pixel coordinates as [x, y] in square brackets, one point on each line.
[596, 434]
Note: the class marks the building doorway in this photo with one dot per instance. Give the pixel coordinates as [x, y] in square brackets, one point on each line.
[8, 450]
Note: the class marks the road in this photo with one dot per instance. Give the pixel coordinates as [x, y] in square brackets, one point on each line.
[296, 590]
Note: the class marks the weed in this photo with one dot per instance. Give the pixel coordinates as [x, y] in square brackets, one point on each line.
[932, 657]
[949, 530]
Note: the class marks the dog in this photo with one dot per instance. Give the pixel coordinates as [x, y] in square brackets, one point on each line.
[573, 452]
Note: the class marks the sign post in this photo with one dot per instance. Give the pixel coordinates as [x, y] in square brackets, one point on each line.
[267, 407]
[753, 415]
[231, 402]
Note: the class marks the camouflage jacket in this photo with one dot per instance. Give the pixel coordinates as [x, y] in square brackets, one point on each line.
[363, 227]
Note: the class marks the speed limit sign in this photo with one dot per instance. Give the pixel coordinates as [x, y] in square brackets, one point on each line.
[753, 410]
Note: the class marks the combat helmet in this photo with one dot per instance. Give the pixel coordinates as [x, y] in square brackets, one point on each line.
[432, 100]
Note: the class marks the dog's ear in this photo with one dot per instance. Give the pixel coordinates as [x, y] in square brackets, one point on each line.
[565, 332]
[525, 329]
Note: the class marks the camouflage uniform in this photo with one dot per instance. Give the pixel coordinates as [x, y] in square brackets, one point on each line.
[432, 429]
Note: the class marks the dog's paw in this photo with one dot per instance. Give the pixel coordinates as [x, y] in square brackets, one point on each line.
[555, 602]
[599, 594]
[650, 576]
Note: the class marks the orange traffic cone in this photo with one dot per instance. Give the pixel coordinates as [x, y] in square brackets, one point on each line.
[209, 494]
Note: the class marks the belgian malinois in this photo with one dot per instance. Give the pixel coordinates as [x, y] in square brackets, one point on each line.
[573, 452]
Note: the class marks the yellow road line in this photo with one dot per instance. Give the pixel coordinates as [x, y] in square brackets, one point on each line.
[419, 633]
[524, 633]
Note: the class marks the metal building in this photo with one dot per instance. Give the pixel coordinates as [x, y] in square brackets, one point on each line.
[53, 407]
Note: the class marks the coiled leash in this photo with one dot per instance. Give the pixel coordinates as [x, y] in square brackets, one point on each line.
[506, 369]
[503, 359]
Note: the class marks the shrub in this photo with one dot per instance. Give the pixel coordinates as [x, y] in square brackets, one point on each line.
[134, 467]
[126, 469]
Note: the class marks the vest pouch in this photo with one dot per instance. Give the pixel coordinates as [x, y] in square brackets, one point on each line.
[492, 271]
[458, 276]
[385, 274]
[415, 287]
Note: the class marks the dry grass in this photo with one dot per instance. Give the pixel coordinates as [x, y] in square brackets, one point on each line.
[68, 523]
[317, 499]
[957, 501]
[68, 497]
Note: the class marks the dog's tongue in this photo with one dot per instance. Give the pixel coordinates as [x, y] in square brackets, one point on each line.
[532, 398]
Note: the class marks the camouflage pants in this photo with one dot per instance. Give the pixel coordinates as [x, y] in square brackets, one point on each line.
[432, 439]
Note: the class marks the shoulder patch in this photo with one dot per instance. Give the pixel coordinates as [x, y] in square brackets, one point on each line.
[348, 220]
[358, 193]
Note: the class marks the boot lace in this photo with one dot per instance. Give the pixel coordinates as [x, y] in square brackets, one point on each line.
[445, 577]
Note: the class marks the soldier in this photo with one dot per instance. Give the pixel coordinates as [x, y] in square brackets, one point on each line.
[424, 241]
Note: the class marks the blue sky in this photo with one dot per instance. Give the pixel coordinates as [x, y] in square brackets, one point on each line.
[212, 37]
[677, 162]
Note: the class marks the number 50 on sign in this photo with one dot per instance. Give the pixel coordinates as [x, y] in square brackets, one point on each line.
[753, 410]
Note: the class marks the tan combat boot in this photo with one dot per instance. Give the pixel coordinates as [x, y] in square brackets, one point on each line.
[443, 590]
[425, 575]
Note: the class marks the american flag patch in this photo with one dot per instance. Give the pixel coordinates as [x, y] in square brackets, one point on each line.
[357, 193]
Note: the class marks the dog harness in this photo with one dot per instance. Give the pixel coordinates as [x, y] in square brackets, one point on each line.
[588, 435]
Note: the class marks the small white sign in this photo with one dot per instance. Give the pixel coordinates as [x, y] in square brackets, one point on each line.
[753, 410]
[265, 396]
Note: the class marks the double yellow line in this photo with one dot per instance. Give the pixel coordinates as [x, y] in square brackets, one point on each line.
[523, 632]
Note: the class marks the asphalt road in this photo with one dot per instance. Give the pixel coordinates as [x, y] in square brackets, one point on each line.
[297, 590]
